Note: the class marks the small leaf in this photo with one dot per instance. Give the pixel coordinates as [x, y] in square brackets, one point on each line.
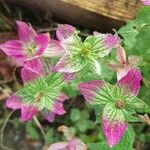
[84, 125]
[75, 115]
[31, 131]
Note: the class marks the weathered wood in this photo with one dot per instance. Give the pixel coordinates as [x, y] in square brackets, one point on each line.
[100, 15]
[122, 10]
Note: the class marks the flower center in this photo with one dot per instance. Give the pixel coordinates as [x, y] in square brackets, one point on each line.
[120, 104]
[38, 96]
[84, 51]
[31, 48]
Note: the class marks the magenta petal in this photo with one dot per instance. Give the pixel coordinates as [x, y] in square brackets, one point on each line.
[27, 112]
[26, 32]
[88, 88]
[111, 40]
[42, 42]
[14, 102]
[62, 97]
[49, 116]
[28, 74]
[32, 70]
[54, 49]
[113, 130]
[131, 82]
[36, 65]
[64, 31]
[14, 49]
[69, 76]
[58, 108]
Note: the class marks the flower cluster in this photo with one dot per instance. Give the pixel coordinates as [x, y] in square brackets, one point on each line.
[43, 90]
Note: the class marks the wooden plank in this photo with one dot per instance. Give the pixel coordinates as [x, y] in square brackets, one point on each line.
[122, 10]
[101, 15]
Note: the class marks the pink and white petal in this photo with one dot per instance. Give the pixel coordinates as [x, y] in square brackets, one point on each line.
[62, 97]
[14, 49]
[49, 116]
[69, 76]
[121, 55]
[26, 32]
[88, 89]
[69, 65]
[54, 49]
[76, 144]
[42, 42]
[109, 40]
[32, 70]
[35, 64]
[131, 82]
[14, 102]
[27, 112]
[58, 108]
[64, 31]
[59, 146]
[122, 71]
[28, 74]
[113, 130]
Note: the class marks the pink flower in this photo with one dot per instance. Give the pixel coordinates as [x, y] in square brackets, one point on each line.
[124, 64]
[39, 93]
[83, 54]
[146, 2]
[30, 45]
[72, 143]
[114, 99]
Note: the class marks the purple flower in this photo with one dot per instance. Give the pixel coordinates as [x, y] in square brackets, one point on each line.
[30, 45]
[114, 99]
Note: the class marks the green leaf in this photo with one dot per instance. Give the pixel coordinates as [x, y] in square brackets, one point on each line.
[98, 113]
[98, 146]
[143, 16]
[136, 103]
[75, 115]
[128, 33]
[32, 131]
[54, 80]
[49, 136]
[85, 114]
[84, 125]
[142, 44]
[129, 117]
